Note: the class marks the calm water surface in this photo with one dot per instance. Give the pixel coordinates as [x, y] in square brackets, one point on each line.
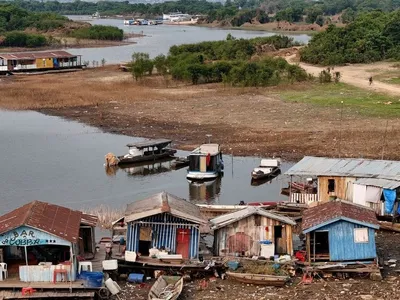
[58, 161]
[160, 38]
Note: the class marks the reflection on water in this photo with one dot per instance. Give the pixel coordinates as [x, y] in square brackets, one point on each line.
[205, 192]
[146, 169]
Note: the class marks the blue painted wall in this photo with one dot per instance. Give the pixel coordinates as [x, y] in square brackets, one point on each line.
[341, 242]
[163, 234]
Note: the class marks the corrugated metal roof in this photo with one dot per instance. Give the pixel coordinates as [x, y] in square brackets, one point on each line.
[230, 218]
[383, 183]
[324, 212]
[35, 55]
[349, 167]
[89, 220]
[161, 203]
[50, 218]
[149, 143]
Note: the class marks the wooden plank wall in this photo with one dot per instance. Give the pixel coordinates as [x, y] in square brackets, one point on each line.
[342, 188]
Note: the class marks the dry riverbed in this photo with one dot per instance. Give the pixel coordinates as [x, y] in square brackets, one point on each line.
[246, 121]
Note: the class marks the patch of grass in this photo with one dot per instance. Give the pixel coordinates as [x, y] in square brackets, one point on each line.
[356, 99]
[395, 80]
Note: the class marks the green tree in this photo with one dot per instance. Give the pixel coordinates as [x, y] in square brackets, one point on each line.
[141, 64]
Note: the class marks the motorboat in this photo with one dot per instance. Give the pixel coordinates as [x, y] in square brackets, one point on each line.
[205, 163]
[267, 168]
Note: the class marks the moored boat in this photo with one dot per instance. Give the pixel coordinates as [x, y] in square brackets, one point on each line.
[151, 150]
[260, 279]
[166, 287]
[180, 162]
[267, 168]
[205, 163]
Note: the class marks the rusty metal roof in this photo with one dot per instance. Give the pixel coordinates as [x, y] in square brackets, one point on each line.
[347, 167]
[333, 211]
[89, 220]
[161, 203]
[57, 220]
[35, 55]
[224, 220]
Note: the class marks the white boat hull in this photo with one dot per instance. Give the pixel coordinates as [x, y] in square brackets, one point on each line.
[201, 175]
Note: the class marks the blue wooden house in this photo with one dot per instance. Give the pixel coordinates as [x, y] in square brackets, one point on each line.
[340, 231]
[165, 222]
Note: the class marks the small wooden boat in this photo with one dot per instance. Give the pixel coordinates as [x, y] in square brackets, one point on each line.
[266, 179]
[267, 168]
[147, 151]
[271, 280]
[179, 163]
[166, 287]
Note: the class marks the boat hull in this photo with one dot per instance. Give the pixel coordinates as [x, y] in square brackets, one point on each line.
[201, 176]
[259, 279]
[137, 159]
[262, 175]
[159, 288]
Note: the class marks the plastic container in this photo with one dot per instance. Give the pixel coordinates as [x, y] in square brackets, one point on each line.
[112, 286]
[135, 278]
[111, 264]
[233, 265]
[94, 279]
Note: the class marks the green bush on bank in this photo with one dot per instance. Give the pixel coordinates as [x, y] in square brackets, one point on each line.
[99, 32]
[371, 37]
[22, 39]
[224, 61]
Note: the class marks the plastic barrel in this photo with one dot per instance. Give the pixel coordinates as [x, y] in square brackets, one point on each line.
[135, 278]
[94, 279]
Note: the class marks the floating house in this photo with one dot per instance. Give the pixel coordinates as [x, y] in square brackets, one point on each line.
[37, 237]
[362, 181]
[38, 61]
[252, 231]
[165, 222]
[339, 231]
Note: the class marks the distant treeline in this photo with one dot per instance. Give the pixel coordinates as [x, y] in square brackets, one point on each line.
[233, 13]
[372, 36]
[232, 61]
[14, 20]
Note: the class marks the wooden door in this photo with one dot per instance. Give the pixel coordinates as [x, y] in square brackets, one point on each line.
[183, 242]
[203, 164]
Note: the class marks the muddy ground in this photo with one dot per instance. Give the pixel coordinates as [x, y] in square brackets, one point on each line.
[245, 121]
[355, 288]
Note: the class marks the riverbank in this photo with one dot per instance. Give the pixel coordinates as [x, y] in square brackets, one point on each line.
[246, 121]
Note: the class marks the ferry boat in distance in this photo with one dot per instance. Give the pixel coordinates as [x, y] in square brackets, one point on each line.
[205, 163]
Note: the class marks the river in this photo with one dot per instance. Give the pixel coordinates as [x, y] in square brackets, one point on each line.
[158, 39]
[59, 161]
[51, 159]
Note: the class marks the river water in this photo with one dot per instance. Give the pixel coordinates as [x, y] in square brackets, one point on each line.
[160, 38]
[58, 161]
[48, 158]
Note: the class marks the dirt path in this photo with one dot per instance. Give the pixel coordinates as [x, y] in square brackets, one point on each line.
[358, 75]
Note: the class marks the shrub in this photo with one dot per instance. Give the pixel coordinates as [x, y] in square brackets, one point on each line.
[21, 39]
[99, 32]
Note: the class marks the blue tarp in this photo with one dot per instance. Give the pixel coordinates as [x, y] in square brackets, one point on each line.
[390, 198]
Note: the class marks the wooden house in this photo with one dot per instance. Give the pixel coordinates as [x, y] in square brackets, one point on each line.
[38, 61]
[39, 236]
[252, 231]
[362, 181]
[340, 231]
[165, 222]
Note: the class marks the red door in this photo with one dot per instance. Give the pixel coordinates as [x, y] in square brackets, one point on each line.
[183, 242]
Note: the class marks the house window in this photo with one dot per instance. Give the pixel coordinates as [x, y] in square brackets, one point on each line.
[361, 235]
[331, 185]
[257, 220]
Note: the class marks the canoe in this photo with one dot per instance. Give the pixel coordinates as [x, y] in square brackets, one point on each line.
[271, 280]
[166, 287]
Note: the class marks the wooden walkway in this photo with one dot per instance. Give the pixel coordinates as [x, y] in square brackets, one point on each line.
[15, 283]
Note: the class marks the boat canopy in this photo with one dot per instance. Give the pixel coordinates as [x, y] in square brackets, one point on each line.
[270, 163]
[160, 143]
[205, 149]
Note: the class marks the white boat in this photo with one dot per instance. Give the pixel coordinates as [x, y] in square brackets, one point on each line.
[129, 22]
[96, 15]
[178, 16]
[268, 167]
[205, 163]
